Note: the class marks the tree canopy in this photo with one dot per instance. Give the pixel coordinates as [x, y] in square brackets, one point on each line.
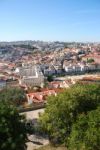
[12, 128]
[63, 110]
[85, 133]
[15, 96]
[49, 78]
[90, 60]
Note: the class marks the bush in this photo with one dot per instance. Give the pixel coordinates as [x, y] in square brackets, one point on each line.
[63, 110]
[14, 96]
[12, 128]
[85, 133]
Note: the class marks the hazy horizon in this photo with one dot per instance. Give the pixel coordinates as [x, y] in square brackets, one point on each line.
[51, 41]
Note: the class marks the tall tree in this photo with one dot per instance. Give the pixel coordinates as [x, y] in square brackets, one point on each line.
[12, 128]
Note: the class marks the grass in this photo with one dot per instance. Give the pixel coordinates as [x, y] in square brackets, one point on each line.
[49, 147]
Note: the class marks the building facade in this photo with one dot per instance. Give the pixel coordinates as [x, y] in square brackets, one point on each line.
[31, 76]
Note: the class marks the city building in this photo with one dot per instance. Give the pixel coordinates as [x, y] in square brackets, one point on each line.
[31, 75]
[2, 84]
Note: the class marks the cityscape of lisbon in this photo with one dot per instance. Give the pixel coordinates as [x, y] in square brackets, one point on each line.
[49, 75]
[46, 68]
[33, 71]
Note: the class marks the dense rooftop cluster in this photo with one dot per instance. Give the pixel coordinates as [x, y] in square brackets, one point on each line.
[29, 65]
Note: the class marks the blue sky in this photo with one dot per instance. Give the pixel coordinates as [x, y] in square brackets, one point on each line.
[50, 20]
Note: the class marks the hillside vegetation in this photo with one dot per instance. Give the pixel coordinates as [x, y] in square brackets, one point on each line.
[73, 118]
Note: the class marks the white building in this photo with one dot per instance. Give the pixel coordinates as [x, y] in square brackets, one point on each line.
[76, 68]
[2, 84]
[31, 76]
[68, 69]
[49, 70]
[58, 69]
[92, 67]
[84, 68]
[98, 66]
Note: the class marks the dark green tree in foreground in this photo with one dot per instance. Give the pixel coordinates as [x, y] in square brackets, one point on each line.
[12, 129]
[85, 133]
[14, 96]
[63, 110]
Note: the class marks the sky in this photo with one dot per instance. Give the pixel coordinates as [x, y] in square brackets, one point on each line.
[50, 20]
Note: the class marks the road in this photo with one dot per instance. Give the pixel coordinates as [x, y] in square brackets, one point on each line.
[33, 114]
[39, 141]
[77, 77]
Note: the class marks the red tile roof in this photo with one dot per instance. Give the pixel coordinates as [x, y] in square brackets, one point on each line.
[41, 96]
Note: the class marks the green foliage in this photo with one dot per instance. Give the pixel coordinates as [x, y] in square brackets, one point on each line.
[90, 60]
[12, 128]
[49, 78]
[15, 96]
[46, 84]
[63, 110]
[85, 133]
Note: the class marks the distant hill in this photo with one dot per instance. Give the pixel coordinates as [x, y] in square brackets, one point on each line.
[25, 46]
